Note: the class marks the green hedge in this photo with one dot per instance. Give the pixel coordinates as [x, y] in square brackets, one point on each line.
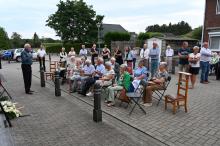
[56, 48]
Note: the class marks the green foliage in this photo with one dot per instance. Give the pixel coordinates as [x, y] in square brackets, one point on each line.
[75, 21]
[197, 33]
[116, 36]
[4, 40]
[143, 36]
[56, 47]
[36, 41]
[154, 34]
[180, 28]
[16, 40]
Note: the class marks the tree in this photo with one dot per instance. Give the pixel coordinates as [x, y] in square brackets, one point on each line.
[180, 28]
[75, 21]
[36, 41]
[143, 36]
[197, 33]
[16, 40]
[4, 40]
[116, 36]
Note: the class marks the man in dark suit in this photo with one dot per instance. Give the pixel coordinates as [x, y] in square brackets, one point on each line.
[116, 68]
[26, 58]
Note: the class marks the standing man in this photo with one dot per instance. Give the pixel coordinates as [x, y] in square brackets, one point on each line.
[41, 53]
[183, 54]
[144, 54]
[83, 51]
[169, 58]
[154, 54]
[134, 55]
[94, 52]
[26, 58]
[206, 55]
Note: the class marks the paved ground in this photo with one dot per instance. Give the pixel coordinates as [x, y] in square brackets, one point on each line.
[200, 126]
[61, 120]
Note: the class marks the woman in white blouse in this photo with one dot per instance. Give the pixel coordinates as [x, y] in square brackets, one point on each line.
[194, 63]
[72, 52]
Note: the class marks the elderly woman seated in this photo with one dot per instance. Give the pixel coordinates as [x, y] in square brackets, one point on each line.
[140, 73]
[85, 73]
[156, 83]
[74, 71]
[106, 79]
[124, 82]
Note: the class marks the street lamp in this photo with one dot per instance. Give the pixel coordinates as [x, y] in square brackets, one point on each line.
[98, 26]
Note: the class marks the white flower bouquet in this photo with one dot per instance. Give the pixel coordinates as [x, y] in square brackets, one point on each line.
[10, 109]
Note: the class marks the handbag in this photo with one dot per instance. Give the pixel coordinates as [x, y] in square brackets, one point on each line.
[123, 97]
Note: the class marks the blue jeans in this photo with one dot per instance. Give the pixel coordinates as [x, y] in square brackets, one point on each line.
[204, 71]
[154, 66]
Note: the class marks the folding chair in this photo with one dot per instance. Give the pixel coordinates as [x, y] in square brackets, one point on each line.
[136, 96]
[160, 93]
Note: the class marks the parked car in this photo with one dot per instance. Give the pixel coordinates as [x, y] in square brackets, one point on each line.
[15, 54]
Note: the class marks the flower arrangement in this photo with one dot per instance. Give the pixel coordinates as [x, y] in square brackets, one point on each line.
[10, 109]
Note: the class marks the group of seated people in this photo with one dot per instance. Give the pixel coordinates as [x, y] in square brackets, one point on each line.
[83, 75]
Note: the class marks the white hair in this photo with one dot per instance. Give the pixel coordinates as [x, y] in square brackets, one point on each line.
[100, 59]
[113, 58]
[27, 45]
[123, 66]
[88, 61]
[108, 63]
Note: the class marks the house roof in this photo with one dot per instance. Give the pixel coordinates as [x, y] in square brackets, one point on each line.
[112, 28]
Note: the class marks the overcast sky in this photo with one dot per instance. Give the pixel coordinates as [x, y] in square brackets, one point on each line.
[29, 16]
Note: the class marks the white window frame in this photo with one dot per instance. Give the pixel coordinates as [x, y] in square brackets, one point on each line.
[214, 34]
[218, 7]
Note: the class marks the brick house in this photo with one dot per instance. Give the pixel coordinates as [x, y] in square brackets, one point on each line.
[211, 29]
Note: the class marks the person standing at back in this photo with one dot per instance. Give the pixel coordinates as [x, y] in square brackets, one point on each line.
[206, 55]
[154, 54]
[26, 62]
[134, 55]
[41, 53]
[183, 54]
[169, 58]
[94, 52]
[83, 51]
[144, 54]
[106, 54]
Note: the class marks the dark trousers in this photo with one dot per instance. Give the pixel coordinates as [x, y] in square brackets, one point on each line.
[88, 83]
[27, 76]
[42, 63]
[134, 62]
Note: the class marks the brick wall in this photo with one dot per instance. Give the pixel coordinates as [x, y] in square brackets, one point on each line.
[211, 18]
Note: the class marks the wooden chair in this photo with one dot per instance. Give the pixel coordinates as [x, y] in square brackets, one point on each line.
[182, 93]
[50, 74]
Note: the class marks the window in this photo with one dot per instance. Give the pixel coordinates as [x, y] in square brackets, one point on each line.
[215, 43]
[218, 7]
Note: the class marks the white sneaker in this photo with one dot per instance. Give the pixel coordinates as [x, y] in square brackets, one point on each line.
[147, 104]
[89, 94]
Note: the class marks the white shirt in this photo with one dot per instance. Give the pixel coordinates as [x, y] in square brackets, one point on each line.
[72, 53]
[169, 52]
[206, 54]
[134, 53]
[192, 55]
[144, 54]
[83, 52]
[41, 53]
